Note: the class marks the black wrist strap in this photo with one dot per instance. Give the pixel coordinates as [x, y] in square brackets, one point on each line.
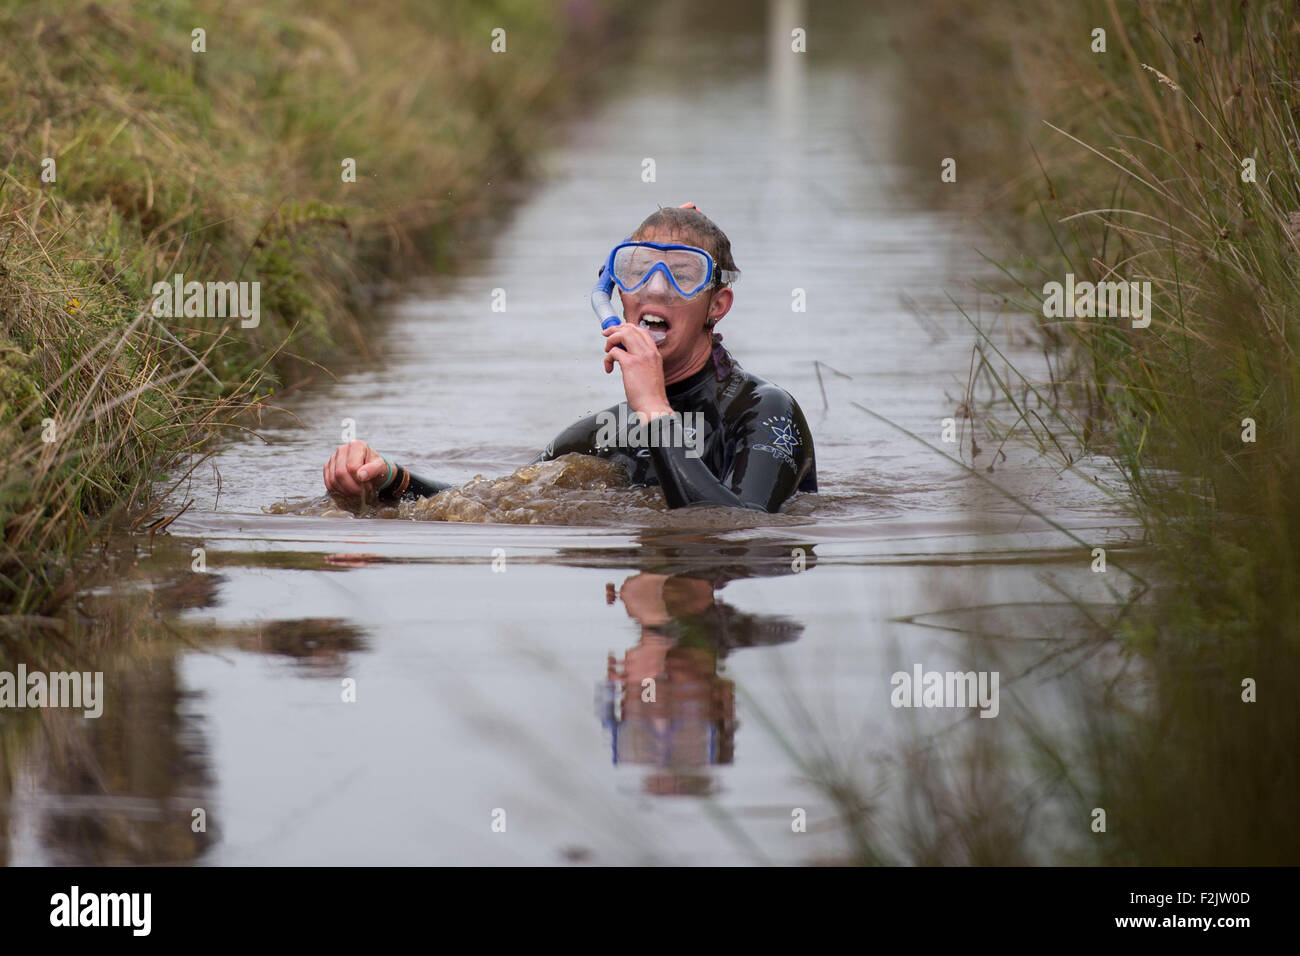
[394, 489]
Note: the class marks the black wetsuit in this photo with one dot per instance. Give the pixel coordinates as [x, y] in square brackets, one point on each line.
[738, 441]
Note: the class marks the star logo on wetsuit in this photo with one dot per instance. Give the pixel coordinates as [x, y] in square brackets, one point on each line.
[785, 438]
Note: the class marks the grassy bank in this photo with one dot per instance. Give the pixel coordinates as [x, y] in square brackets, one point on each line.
[1173, 157]
[131, 155]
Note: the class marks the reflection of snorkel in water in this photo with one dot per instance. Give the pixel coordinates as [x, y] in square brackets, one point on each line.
[665, 704]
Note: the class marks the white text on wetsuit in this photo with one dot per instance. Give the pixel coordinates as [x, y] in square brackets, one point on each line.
[675, 430]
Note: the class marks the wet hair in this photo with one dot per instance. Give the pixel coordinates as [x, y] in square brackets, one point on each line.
[687, 222]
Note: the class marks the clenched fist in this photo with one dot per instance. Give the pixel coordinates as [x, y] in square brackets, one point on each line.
[354, 469]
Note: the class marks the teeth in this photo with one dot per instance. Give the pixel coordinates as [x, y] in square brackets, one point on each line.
[657, 327]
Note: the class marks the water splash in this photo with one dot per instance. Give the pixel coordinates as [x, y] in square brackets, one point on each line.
[568, 490]
[572, 490]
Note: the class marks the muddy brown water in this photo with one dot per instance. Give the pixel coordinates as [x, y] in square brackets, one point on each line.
[498, 663]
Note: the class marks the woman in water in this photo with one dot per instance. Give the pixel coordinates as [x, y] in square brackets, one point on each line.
[703, 429]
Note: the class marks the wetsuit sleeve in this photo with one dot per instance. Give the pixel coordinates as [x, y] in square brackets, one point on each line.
[405, 486]
[579, 437]
[771, 455]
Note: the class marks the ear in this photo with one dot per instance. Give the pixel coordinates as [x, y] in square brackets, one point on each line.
[718, 307]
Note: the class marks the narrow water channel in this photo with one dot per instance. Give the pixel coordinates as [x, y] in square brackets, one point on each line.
[498, 667]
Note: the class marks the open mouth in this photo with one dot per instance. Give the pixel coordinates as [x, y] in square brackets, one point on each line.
[656, 325]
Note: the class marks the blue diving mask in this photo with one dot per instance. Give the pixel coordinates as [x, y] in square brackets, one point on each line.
[688, 270]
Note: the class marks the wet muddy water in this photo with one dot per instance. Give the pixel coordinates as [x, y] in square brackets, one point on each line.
[498, 668]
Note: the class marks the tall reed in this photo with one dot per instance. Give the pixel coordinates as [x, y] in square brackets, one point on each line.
[1173, 157]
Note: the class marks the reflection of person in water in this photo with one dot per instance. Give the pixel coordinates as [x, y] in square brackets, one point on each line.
[665, 704]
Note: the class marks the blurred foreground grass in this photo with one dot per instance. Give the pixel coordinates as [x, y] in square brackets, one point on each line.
[1170, 156]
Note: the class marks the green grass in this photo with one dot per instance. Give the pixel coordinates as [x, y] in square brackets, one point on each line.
[224, 165]
[1128, 164]
[1146, 185]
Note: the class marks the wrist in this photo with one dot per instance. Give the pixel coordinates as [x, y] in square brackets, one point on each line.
[389, 476]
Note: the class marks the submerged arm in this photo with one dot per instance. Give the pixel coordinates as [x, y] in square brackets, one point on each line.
[405, 486]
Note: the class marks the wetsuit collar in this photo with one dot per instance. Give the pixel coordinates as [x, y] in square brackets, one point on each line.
[690, 383]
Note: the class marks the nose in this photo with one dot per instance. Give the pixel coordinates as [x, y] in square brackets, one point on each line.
[658, 283]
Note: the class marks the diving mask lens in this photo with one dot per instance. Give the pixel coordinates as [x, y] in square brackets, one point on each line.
[688, 270]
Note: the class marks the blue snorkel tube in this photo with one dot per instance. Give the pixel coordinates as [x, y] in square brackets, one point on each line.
[600, 303]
